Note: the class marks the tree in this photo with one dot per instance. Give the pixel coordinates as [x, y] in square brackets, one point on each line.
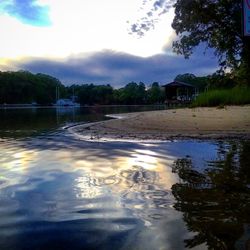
[133, 93]
[155, 94]
[141, 93]
[85, 94]
[103, 94]
[218, 24]
[200, 82]
[187, 78]
[25, 87]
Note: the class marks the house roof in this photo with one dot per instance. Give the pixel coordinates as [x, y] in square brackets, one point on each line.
[178, 84]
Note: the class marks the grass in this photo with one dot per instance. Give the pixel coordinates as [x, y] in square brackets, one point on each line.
[221, 97]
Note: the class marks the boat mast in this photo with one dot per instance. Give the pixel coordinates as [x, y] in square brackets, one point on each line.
[57, 93]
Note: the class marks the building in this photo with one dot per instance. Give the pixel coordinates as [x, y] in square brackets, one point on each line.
[179, 92]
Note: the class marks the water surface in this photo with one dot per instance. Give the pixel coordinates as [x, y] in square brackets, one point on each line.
[59, 192]
[23, 122]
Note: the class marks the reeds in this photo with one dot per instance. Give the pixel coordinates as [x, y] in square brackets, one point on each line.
[219, 97]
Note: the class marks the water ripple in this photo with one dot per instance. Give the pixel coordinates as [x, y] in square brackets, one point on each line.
[60, 193]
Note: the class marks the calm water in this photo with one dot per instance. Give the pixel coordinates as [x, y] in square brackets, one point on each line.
[25, 122]
[58, 192]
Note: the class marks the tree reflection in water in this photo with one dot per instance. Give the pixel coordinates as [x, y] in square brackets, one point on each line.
[216, 202]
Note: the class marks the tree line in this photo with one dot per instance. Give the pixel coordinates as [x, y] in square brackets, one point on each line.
[131, 94]
[23, 87]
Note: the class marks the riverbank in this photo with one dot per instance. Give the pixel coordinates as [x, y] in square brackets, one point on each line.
[197, 123]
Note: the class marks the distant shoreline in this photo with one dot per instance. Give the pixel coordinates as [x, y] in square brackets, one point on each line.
[81, 106]
[231, 122]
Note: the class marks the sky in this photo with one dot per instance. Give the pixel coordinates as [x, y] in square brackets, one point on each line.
[95, 41]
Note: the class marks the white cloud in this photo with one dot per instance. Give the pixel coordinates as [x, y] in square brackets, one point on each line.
[83, 26]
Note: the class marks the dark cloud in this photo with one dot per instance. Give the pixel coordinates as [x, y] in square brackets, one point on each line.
[118, 69]
[27, 11]
[151, 12]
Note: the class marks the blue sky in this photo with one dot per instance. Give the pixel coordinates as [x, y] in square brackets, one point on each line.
[26, 11]
[98, 41]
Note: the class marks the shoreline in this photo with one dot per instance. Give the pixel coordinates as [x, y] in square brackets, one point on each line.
[231, 122]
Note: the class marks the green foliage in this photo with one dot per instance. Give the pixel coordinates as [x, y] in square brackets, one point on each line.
[25, 87]
[218, 24]
[90, 94]
[233, 96]
[132, 93]
[155, 94]
[187, 78]
[220, 80]
[199, 82]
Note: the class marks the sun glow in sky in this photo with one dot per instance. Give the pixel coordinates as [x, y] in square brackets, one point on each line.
[94, 41]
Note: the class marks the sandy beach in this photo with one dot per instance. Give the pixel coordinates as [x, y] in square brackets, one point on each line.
[196, 123]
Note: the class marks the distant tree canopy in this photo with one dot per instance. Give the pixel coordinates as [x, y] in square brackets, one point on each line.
[89, 94]
[218, 24]
[25, 87]
[155, 94]
[217, 80]
[132, 93]
[199, 82]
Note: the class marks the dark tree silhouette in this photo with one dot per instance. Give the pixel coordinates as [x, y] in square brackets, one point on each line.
[216, 203]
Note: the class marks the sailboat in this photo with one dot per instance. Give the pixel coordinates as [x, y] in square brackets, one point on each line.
[64, 102]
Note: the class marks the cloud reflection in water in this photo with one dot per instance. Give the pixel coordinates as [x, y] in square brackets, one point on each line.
[87, 189]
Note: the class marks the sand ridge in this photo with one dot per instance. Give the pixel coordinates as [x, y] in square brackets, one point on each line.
[196, 123]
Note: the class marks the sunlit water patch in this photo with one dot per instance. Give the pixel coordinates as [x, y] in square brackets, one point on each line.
[85, 195]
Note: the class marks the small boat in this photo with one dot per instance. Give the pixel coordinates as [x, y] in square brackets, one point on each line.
[66, 103]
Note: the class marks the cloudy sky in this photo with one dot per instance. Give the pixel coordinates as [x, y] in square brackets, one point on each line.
[95, 41]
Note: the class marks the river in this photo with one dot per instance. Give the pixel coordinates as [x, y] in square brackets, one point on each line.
[60, 192]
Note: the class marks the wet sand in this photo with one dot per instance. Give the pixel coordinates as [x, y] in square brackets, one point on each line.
[197, 123]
